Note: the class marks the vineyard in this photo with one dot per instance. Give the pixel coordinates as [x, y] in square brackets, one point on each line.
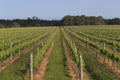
[60, 53]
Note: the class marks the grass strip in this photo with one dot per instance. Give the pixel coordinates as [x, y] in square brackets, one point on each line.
[57, 66]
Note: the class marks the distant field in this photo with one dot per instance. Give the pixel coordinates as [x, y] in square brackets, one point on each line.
[56, 53]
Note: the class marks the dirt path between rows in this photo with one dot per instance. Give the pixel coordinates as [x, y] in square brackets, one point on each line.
[42, 68]
[100, 58]
[71, 66]
[40, 72]
[8, 61]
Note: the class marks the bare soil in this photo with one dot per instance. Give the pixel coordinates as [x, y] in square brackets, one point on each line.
[72, 67]
[100, 58]
[40, 72]
[42, 68]
[8, 61]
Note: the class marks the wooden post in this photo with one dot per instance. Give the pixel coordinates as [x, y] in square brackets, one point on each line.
[31, 66]
[42, 44]
[19, 46]
[38, 50]
[97, 43]
[3, 45]
[11, 52]
[81, 68]
[75, 49]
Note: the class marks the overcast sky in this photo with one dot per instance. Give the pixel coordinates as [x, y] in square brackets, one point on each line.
[56, 9]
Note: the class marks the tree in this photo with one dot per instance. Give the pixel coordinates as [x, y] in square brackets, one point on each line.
[16, 24]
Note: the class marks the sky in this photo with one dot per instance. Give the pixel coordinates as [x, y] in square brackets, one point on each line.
[56, 9]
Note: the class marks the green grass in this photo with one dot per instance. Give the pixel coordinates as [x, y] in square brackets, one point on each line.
[96, 70]
[57, 66]
[18, 70]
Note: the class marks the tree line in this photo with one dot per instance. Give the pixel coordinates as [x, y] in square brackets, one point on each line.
[65, 21]
[89, 20]
[29, 22]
